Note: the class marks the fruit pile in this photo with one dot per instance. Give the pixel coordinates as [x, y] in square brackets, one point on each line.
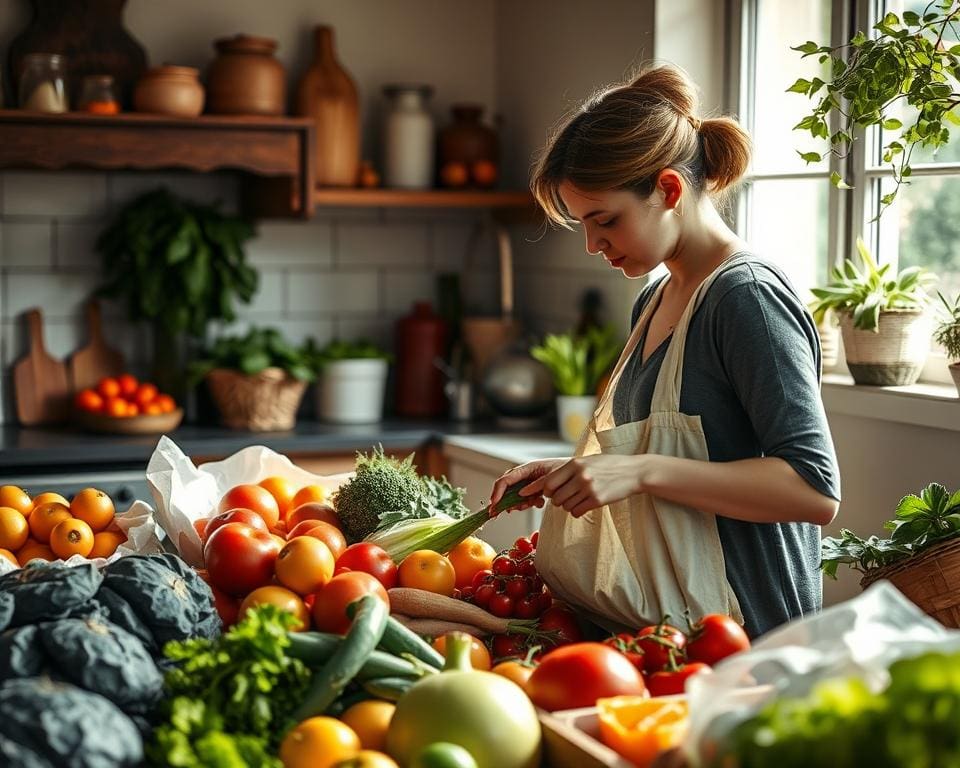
[124, 396]
[49, 527]
[511, 587]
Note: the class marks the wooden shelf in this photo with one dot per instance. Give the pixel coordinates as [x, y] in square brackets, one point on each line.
[275, 152]
[427, 198]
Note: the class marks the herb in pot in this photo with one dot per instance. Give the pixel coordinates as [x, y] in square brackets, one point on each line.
[362, 349]
[947, 334]
[259, 349]
[579, 362]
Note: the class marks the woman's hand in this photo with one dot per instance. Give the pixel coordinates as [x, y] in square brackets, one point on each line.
[529, 471]
[588, 482]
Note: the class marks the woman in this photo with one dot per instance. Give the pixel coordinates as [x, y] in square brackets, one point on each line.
[708, 468]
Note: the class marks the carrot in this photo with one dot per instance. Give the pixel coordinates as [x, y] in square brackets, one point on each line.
[438, 627]
[421, 604]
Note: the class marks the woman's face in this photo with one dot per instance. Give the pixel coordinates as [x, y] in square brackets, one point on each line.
[632, 234]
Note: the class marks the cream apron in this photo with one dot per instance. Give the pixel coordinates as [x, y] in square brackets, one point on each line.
[631, 562]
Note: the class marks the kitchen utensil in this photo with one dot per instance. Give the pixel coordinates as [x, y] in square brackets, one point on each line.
[516, 386]
[39, 380]
[91, 363]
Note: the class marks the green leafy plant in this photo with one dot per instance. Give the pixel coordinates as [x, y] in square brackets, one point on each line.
[919, 522]
[362, 349]
[947, 333]
[909, 59]
[866, 292]
[578, 362]
[259, 349]
[176, 263]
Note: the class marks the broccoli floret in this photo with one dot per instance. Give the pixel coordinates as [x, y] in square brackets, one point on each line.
[380, 484]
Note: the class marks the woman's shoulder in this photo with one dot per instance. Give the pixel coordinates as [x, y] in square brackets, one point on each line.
[749, 269]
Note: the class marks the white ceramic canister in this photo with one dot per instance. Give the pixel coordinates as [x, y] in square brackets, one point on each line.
[408, 138]
[352, 391]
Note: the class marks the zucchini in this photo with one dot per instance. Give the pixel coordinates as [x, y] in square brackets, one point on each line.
[389, 688]
[315, 649]
[398, 640]
[328, 682]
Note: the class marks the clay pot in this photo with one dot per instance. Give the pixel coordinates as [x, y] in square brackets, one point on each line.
[169, 90]
[245, 78]
[467, 139]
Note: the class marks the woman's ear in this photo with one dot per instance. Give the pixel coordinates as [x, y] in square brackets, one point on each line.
[670, 185]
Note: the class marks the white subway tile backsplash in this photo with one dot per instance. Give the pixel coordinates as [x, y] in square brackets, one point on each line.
[403, 289]
[39, 193]
[292, 243]
[60, 295]
[370, 327]
[269, 298]
[480, 290]
[26, 243]
[60, 338]
[327, 293]
[75, 243]
[387, 246]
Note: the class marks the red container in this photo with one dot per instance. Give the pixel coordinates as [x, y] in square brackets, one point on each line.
[421, 338]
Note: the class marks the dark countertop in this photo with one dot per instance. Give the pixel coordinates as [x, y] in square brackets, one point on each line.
[35, 449]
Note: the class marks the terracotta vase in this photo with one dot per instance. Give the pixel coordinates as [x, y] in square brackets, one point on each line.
[169, 90]
[245, 78]
[328, 94]
[467, 139]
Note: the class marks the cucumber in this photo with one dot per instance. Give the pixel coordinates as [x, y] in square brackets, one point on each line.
[328, 682]
[316, 648]
[389, 688]
[346, 701]
[397, 639]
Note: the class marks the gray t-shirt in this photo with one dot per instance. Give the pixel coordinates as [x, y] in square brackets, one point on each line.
[751, 371]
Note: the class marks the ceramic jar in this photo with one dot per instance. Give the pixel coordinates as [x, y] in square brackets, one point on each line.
[43, 83]
[245, 78]
[169, 90]
[467, 139]
[408, 138]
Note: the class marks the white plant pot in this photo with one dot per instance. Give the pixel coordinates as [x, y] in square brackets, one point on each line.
[352, 391]
[573, 414]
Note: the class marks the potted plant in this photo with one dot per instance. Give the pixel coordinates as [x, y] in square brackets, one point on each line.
[177, 265]
[257, 381]
[352, 381]
[578, 364]
[947, 335]
[885, 328]
[828, 327]
[921, 557]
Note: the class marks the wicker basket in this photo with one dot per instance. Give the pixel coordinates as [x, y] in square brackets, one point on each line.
[263, 402]
[893, 356]
[930, 579]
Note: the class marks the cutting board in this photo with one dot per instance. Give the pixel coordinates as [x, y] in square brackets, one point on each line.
[91, 363]
[39, 380]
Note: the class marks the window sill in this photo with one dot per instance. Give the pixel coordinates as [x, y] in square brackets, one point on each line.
[922, 404]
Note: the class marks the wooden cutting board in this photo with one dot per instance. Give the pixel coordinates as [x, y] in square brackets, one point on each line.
[97, 359]
[39, 380]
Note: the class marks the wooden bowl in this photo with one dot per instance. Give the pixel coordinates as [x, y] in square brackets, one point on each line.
[129, 425]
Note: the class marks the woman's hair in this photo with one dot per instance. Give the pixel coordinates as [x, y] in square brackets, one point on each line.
[623, 136]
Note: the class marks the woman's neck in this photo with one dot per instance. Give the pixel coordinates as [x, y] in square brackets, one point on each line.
[705, 241]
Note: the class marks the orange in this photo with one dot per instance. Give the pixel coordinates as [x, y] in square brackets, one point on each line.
[281, 489]
[304, 565]
[116, 407]
[254, 498]
[12, 496]
[370, 721]
[108, 387]
[71, 537]
[454, 174]
[514, 670]
[89, 400]
[93, 507]
[484, 173]
[639, 728]
[105, 543]
[468, 557]
[33, 550]
[154, 409]
[166, 402]
[14, 530]
[479, 655]
[145, 394]
[128, 385]
[429, 570]
[133, 409]
[45, 518]
[46, 498]
[318, 742]
[7, 555]
[308, 493]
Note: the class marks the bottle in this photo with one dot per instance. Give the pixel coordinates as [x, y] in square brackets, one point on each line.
[98, 95]
[421, 338]
[408, 138]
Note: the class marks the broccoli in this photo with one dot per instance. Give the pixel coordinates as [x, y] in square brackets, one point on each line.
[380, 484]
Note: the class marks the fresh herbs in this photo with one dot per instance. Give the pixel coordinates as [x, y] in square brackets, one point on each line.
[259, 349]
[947, 334]
[920, 522]
[228, 701]
[343, 350]
[579, 362]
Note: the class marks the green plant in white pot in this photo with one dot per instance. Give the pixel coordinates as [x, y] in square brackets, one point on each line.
[578, 364]
[883, 319]
[351, 381]
[947, 335]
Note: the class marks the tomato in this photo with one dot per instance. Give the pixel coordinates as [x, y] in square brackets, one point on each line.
[240, 558]
[228, 608]
[509, 646]
[369, 558]
[535, 538]
[517, 587]
[312, 510]
[562, 623]
[501, 606]
[577, 675]
[660, 644]
[128, 385]
[670, 682]
[483, 594]
[283, 599]
[328, 534]
[524, 545]
[254, 498]
[304, 565]
[331, 601]
[626, 644]
[238, 515]
[479, 655]
[527, 607]
[715, 637]
[481, 577]
[518, 671]
[503, 565]
[282, 491]
[428, 570]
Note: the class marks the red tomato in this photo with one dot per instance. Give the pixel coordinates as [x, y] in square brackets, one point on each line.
[328, 534]
[369, 558]
[562, 621]
[312, 510]
[501, 606]
[330, 603]
[238, 515]
[627, 645]
[577, 675]
[670, 682]
[509, 646]
[715, 637]
[252, 497]
[658, 643]
[240, 558]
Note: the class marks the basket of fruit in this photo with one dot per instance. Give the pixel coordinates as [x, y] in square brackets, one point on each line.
[126, 406]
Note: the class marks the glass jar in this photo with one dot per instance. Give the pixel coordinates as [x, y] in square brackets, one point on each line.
[42, 83]
[408, 138]
[98, 95]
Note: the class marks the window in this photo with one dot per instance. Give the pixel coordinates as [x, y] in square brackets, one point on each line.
[788, 210]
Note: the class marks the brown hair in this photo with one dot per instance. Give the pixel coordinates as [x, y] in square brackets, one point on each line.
[623, 136]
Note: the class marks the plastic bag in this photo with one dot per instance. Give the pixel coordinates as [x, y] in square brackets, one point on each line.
[185, 493]
[859, 638]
